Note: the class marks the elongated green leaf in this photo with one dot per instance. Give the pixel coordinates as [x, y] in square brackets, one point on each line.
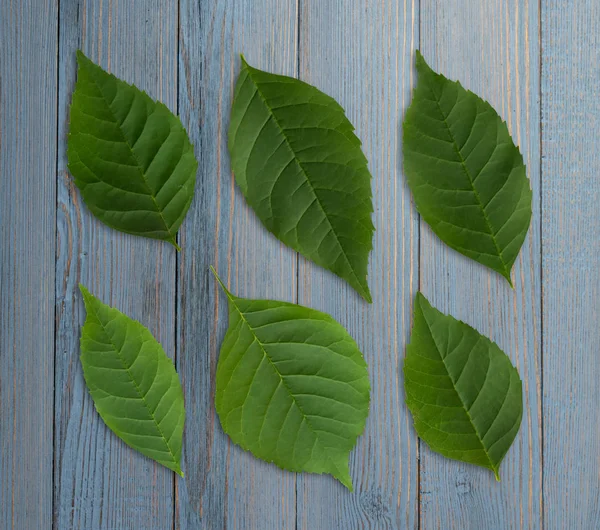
[292, 386]
[130, 156]
[133, 383]
[462, 390]
[466, 174]
[301, 168]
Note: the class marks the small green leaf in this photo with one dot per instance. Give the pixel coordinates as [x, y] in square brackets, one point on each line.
[133, 383]
[292, 386]
[301, 168]
[131, 157]
[466, 174]
[461, 388]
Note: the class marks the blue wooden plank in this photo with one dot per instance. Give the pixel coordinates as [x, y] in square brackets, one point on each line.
[225, 487]
[361, 54]
[571, 262]
[492, 47]
[100, 482]
[28, 51]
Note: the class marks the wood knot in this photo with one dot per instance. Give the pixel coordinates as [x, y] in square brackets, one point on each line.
[373, 504]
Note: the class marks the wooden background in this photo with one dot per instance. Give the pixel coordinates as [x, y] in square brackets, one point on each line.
[537, 62]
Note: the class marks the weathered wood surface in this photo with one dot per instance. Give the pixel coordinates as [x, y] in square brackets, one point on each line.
[225, 487]
[571, 262]
[494, 51]
[536, 62]
[98, 481]
[361, 53]
[28, 82]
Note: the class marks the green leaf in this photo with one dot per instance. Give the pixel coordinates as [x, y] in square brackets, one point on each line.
[466, 174]
[461, 388]
[133, 383]
[292, 386]
[130, 156]
[301, 168]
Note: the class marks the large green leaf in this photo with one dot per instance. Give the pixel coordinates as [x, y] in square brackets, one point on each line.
[130, 156]
[133, 383]
[301, 168]
[292, 386]
[462, 390]
[466, 174]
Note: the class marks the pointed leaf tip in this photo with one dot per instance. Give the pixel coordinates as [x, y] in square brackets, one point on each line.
[86, 294]
[345, 479]
[421, 63]
[83, 61]
[421, 301]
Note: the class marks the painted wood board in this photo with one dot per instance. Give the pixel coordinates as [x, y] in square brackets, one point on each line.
[571, 262]
[497, 56]
[225, 487]
[28, 32]
[360, 53]
[100, 483]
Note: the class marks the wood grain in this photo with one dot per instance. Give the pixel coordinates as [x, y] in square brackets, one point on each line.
[28, 50]
[225, 487]
[78, 475]
[571, 264]
[492, 47]
[100, 483]
[361, 54]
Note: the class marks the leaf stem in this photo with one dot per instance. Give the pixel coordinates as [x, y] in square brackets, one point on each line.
[227, 292]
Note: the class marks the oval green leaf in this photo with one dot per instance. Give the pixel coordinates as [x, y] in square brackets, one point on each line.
[292, 386]
[133, 383]
[466, 174]
[301, 168]
[131, 157]
[462, 390]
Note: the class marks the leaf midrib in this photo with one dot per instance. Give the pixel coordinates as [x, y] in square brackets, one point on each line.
[137, 388]
[472, 183]
[282, 380]
[150, 193]
[492, 466]
[365, 291]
